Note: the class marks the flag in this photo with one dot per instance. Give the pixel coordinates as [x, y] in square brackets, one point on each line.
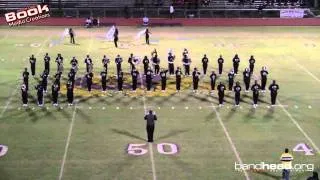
[110, 32]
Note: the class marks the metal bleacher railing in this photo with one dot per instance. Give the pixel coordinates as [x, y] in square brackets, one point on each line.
[157, 8]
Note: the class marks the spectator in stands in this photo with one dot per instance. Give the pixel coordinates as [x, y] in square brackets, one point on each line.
[145, 21]
[171, 11]
[88, 22]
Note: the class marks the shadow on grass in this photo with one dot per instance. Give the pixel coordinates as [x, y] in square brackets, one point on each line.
[127, 133]
[172, 133]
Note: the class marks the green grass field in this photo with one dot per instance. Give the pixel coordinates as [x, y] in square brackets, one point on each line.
[90, 139]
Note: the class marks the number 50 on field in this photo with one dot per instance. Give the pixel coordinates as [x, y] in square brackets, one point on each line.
[163, 148]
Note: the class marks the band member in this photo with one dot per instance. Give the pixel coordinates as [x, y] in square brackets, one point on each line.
[236, 61]
[88, 62]
[186, 63]
[55, 94]
[150, 118]
[163, 75]
[231, 79]
[118, 62]
[195, 79]
[44, 80]
[273, 88]
[178, 79]
[145, 62]
[116, 37]
[24, 94]
[213, 78]
[59, 61]
[33, 61]
[255, 88]
[251, 63]
[171, 59]
[147, 32]
[120, 80]
[264, 76]
[156, 64]
[221, 88]
[220, 63]
[185, 52]
[105, 62]
[149, 79]
[237, 90]
[130, 61]
[25, 76]
[72, 76]
[46, 60]
[103, 76]
[71, 33]
[89, 77]
[246, 79]
[74, 64]
[205, 62]
[39, 89]
[134, 75]
[70, 93]
[57, 78]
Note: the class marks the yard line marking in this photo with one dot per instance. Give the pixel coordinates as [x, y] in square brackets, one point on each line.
[299, 127]
[307, 71]
[230, 141]
[67, 143]
[153, 166]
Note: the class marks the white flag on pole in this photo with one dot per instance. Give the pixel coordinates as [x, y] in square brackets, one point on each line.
[139, 34]
[110, 33]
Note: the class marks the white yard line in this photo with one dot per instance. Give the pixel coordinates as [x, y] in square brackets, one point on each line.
[230, 141]
[299, 127]
[153, 166]
[67, 143]
[307, 71]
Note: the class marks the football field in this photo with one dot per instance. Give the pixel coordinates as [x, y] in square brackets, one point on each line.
[103, 136]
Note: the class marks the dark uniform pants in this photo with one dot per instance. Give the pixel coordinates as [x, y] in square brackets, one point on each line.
[47, 67]
[40, 98]
[26, 82]
[72, 40]
[149, 82]
[104, 85]
[195, 84]
[163, 84]
[255, 98]
[150, 130]
[235, 68]
[178, 84]
[147, 39]
[171, 68]
[220, 68]
[25, 98]
[263, 83]
[33, 69]
[273, 98]
[237, 98]
[251, 66]
[134, 84]
[285, 174]
[156, 69]
[221, 96]
[118, 68]
[55, 97]
[230, 84]
[213, 84]
[186, 69]
[145, 68]
[205, 67]
[70, 97]
[115, 40]
[89, 83]
[120, 83]
[247, 84]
